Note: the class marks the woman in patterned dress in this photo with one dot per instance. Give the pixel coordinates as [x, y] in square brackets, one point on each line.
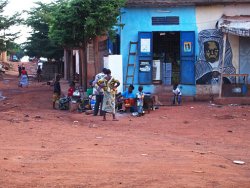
[109, 85]
[24, 80]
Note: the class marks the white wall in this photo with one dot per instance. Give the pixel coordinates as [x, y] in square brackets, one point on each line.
[207, 17]
[114, 63]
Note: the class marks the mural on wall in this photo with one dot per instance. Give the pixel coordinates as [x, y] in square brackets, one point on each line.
[209, 64]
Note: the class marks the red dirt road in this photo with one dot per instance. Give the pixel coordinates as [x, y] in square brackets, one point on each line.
[193, 145]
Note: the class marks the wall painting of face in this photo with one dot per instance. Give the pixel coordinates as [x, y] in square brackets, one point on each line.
[209, 65]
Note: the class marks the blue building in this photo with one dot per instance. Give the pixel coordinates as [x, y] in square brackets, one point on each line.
[159, 42]
[166, 46]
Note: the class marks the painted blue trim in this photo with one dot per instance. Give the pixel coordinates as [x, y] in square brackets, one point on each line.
[139, 20]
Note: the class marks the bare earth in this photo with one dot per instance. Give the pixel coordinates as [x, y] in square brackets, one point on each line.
[193, 145]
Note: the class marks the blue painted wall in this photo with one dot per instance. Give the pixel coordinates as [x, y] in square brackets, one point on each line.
[139, 19]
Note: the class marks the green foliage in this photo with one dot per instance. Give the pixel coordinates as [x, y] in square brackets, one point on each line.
[39, 44]
[5, 23]
[75, 22]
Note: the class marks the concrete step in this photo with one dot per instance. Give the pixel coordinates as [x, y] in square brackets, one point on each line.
[167, 99]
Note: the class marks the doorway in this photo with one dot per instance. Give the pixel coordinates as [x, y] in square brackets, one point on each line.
[244, 56]
[166, 58]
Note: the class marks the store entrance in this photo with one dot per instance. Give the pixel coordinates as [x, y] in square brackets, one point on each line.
[166, 58]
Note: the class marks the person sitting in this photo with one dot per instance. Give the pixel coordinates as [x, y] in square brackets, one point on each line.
[71, 89]
[128, 98]
[177, 94]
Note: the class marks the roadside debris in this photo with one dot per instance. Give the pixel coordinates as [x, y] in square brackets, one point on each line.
[1, 96]
[238, 162]
[198, 171]
[215, 105]
[91, 125]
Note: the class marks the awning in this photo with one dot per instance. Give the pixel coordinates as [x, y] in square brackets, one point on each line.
[235, 25]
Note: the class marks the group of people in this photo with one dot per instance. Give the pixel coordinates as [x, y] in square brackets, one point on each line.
[106, 98]
[23, 75]
[129, 101]
[105, 90]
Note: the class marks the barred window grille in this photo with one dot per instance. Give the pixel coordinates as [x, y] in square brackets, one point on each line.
[168, 20]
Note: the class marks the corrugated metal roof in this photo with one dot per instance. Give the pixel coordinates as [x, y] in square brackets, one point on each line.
[173, 3]
[235, 25]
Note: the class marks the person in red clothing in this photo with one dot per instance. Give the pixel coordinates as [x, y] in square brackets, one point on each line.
[24, 80]
[71, 89]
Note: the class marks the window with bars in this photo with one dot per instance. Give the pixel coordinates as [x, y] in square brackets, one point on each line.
[166, 20]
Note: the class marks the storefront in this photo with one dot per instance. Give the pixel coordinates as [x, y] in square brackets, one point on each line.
[166, 47]
[166, 58]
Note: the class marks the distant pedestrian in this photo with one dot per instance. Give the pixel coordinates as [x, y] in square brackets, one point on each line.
[19, 70]
[39, 73]
[24, 80]
[57, 91]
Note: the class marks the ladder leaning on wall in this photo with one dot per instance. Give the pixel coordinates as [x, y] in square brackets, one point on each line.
[132, 55]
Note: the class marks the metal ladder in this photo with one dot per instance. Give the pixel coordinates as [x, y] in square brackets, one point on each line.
[132, 56]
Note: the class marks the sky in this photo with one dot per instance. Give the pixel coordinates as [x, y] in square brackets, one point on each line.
[18, 6]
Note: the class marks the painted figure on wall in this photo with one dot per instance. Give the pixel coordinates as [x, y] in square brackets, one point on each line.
[209, 65]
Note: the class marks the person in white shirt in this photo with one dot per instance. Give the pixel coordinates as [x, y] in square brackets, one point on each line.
[98, 92]
[177, 94]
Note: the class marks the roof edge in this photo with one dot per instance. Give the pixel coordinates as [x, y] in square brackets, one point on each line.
[178, 3]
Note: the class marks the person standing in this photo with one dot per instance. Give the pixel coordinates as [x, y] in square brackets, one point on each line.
[109, 85]
[24, 80]
[57, 91]
[39, 73]
[98, 92]
[139, 101]
[19, 71]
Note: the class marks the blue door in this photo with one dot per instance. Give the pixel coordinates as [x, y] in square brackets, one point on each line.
[187, 67]
[145, 57]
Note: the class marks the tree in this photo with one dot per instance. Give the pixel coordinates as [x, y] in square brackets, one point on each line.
[39, 44]
[75, 22]
[5, 23]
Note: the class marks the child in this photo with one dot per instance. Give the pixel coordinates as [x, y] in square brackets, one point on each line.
[71, 89]
[57, 91]
[139, 97]
[177, 94]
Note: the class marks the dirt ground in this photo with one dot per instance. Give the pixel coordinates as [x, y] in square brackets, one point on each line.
[193, 145]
